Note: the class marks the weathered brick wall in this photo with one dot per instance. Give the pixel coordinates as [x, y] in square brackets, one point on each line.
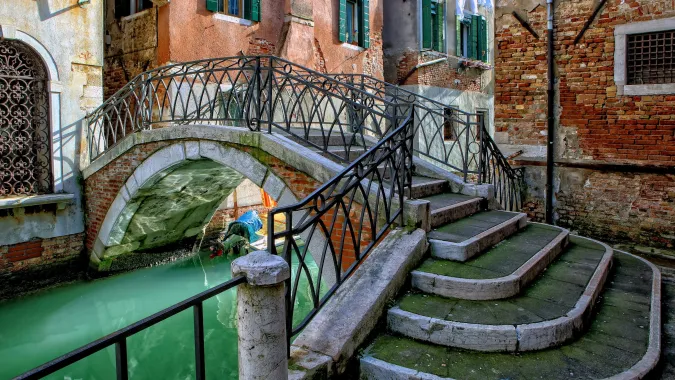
[443, 74]
[594, 123]
[40, 253]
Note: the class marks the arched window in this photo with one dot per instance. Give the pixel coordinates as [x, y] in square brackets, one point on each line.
[25, 149]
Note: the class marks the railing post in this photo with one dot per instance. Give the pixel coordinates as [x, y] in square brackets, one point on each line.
[481, 151]
[270, 77]
[467, 131]
[258, 92]
[261, 316]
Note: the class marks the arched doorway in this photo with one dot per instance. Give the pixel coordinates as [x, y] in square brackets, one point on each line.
[25, 148]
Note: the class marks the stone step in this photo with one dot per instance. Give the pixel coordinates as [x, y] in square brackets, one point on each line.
[469, 236]
[552, 310]
[501, 272]
[348, 153]
[623, 342]
[448, 207]
[426, 187]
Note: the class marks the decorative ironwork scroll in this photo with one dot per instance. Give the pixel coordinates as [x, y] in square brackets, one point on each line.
[25, 159]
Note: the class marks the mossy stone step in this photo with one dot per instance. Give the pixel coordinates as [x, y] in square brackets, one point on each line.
[550, 311]
[463, 239]
[622, 341]
[448, 207]
[500, 272]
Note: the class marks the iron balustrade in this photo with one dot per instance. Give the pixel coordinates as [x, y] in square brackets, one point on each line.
[243, 91]
[347, 215]
[470, 151]
[119, 337]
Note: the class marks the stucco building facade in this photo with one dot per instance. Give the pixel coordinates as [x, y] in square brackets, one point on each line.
[51, 60]
[312, 33]
[614, 108]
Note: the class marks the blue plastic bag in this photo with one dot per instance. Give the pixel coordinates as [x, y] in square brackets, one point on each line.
[253, 223]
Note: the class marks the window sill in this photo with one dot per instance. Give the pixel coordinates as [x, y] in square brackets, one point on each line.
[61, 200]
[353, 47]
[233, 19]
[647, 89]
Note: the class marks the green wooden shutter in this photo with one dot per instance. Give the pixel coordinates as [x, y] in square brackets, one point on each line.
[365, 14]
[440, 16]
[247, 9]
[255, 10]
[474, 38]
[342, 32]
[486, 39]
[458, 37]
[426, 24]
[211, 5]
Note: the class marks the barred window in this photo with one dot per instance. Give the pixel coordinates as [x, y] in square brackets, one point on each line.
[25, 149]
[651, 58]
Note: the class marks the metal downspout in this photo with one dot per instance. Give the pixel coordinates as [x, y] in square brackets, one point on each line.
[551, 115]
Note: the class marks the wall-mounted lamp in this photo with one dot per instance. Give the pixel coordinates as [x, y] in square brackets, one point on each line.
[83, 3]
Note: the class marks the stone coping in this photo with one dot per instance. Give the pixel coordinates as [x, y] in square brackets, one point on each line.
[36, 200]
[464, 250]
[510, 337]
[493, 288]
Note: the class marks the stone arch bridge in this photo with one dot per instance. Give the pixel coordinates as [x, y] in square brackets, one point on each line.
[167, 183]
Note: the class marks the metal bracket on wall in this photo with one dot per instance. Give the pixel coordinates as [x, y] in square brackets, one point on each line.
[525, 24]
[589, 21]
[83, 3]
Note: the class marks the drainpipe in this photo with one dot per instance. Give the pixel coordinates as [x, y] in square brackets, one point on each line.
[551, 121]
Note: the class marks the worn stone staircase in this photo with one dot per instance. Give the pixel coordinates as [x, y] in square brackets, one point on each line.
[501, 298]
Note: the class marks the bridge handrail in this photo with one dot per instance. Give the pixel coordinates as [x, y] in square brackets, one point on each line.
[119, 337]
[486, 164]
[344, 215]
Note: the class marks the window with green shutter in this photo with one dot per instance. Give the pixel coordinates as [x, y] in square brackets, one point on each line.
[433, 25]
[472, 37]
[247, 9]
[354, 27]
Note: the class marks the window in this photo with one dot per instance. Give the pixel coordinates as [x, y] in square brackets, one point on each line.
[651, 58]
[433, 25]
[25, 145]
[449, 133]
[246, 9]
[354, 22]
[472, 37]
[125, 8]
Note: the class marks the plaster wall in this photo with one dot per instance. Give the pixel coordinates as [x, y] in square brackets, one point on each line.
[69, 39]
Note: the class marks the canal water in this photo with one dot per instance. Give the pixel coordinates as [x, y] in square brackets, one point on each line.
[45, 325]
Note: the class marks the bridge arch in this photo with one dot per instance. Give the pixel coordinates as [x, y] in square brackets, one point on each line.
[113, 186]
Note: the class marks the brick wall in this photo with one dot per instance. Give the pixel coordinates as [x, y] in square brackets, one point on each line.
[594, 124]
[39, 253]
[444, 74]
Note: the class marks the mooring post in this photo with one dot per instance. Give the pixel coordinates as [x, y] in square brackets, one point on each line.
[261, 316]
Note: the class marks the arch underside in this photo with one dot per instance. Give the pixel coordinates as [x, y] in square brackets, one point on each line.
[171, 197]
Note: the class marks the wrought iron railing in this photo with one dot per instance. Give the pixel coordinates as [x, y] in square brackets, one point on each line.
[256, 92]
[342, 221]
[452, 139]
[119, 337]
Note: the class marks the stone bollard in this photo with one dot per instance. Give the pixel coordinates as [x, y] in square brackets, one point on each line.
[261, 316]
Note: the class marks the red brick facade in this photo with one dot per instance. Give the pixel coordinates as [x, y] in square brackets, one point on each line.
[594, 123]
[39, 253]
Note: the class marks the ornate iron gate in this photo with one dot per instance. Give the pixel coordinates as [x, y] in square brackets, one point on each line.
[25, 149]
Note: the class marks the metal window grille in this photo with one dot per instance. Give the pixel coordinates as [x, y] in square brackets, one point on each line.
[651, 58]
[25, 149]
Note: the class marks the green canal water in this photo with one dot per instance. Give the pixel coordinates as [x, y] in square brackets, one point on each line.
[42, 326]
